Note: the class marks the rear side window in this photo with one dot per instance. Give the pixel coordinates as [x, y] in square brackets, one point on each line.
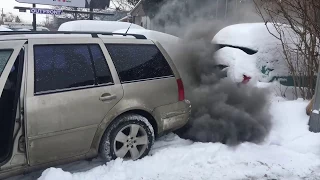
[102, 70]
[61, 67]
[4, 58]
[136, 62]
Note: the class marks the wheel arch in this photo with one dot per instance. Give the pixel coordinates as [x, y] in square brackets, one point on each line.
[145, 114]
[97, 139]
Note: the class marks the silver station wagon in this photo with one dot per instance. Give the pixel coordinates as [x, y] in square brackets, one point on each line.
[67, 96]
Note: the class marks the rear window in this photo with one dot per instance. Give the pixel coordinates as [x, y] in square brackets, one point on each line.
[136, 62]
[4, 58]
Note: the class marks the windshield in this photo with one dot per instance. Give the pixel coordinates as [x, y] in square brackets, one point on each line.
[4, 57]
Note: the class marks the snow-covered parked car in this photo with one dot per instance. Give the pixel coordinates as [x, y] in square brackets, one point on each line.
[249, 50]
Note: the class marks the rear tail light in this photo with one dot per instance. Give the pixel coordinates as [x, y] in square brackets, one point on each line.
[180, 90]
[246, 79]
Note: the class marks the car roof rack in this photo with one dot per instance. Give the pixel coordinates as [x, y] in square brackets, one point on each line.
[93, 34]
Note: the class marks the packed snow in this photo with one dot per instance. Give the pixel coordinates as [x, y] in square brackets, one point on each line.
[289, 152]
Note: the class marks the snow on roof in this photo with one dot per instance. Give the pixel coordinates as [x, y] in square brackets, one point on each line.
[91, 25]
[137, 5]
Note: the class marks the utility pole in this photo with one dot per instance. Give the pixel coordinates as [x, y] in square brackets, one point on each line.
[34, 23]
[236, 10]
[237, 6]
[91, 12]
[217, 8]
[47, 19]
[75, 14]
[314, 120]
[226, 11]
[2, 16]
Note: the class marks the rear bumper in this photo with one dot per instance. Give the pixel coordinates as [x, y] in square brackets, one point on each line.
[173, 116]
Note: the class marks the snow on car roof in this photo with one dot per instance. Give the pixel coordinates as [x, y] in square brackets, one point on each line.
[101, 26]
[150, 34]
[249, 35]
[4, 29]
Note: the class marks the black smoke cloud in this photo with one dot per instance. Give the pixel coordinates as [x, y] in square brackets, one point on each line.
[222, 110]
[176, 17]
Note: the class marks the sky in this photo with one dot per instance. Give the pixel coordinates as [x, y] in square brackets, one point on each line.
[8, 5]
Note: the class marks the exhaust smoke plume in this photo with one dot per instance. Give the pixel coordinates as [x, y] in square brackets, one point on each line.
[222, 111]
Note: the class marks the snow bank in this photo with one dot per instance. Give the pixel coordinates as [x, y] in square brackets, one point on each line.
[291, 128]
[97, 26]
[290, 152]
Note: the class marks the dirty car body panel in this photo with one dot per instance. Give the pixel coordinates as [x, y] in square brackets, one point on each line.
[63, 121]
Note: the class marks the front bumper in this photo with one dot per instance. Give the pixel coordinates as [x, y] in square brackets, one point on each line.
[173, 116]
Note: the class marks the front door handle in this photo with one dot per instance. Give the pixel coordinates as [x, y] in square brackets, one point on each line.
[107, 97]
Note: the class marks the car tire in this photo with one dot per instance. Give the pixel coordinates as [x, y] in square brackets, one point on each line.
[130, 137]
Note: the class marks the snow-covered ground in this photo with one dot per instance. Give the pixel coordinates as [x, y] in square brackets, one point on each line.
[289, 152]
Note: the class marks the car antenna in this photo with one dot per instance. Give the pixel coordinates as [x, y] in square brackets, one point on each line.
[130, 17]
[128, 29]
[131, 20]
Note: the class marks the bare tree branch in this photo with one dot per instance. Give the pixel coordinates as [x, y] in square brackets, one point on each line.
[297, 25]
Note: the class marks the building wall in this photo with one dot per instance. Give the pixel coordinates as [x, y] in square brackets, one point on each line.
[147, 23]
[137, 20]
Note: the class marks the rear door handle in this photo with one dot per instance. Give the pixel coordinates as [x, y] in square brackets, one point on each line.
[107, 97]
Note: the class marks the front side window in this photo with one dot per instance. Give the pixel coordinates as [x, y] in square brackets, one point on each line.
[4, 58]
[136, 62]
[59, 67]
